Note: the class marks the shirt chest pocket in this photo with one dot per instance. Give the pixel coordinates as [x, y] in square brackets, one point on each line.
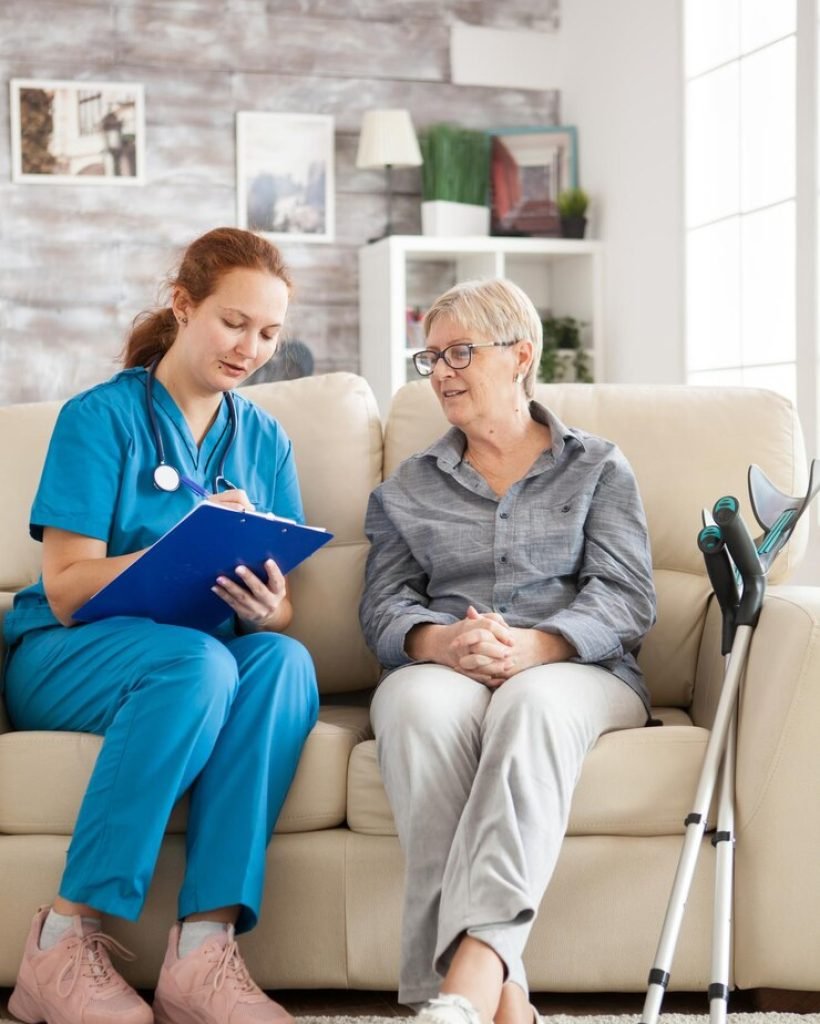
[555, 538]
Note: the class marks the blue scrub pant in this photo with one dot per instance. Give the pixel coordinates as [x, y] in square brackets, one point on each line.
[179, 710]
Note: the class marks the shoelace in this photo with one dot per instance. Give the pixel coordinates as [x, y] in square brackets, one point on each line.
[231, 964]
[87, 953]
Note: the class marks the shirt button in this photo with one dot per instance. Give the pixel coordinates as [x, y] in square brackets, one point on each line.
[502, 607]
[503, 559]
[505, 515]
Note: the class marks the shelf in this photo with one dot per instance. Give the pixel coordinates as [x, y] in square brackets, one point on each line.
[423, 246]
[560, 275]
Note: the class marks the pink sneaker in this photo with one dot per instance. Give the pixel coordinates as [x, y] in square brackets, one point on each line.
[74, 981]
[211, 985]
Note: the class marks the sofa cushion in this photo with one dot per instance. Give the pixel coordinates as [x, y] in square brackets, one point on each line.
[334, 424]
[43, 776]
[636, 782]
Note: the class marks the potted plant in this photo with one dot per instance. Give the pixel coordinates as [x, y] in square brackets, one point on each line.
[455, 177]
[572, 208]
[563, 357]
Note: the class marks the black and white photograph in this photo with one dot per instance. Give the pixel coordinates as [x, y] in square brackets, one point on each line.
[66, 132]
[284, 173]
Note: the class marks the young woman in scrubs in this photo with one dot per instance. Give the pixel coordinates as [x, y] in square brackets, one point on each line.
[222, 715]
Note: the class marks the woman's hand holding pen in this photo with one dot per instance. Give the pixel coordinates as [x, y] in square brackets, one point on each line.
[236, 499]
[260, 604]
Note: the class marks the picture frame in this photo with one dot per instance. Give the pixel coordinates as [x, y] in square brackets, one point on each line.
[529, 167]
[76, 132]
[285, 175]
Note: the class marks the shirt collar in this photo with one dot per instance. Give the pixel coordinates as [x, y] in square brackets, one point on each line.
[449, 449]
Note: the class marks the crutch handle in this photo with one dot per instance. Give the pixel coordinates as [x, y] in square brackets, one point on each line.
[722, 578]
[726, 514]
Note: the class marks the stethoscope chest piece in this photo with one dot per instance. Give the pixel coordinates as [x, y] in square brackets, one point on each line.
[166, 478]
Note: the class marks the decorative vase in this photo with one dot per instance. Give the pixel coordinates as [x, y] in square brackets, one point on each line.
[441, 217]
[573, 227]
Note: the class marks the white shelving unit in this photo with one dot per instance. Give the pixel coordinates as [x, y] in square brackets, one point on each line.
[399, 272]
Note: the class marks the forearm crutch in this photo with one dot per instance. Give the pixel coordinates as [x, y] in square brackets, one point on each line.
[733, 533]
[777, 513]
[724, 584]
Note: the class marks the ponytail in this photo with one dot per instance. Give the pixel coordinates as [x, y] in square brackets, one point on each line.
[152, 334]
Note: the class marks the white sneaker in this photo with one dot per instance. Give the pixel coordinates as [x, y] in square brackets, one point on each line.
[448, 1009]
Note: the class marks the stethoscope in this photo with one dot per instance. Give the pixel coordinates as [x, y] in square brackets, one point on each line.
[168, 477]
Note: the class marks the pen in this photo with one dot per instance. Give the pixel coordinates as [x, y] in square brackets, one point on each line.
[192, 485]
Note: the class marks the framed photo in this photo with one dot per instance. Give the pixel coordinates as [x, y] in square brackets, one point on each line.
[528, 168]
[284, 175]
[77, 133]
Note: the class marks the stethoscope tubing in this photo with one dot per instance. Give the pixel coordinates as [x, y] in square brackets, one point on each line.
[168, 477]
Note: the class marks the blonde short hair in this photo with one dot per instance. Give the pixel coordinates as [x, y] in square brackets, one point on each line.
[497, 309]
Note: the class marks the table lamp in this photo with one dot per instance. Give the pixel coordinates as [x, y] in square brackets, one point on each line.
[388, 140]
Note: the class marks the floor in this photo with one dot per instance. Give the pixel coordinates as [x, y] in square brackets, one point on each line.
[330, 1003]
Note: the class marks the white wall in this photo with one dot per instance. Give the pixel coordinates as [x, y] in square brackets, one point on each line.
[622, 87]
[619, 67]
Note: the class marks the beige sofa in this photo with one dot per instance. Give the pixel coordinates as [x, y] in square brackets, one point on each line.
[333, 898]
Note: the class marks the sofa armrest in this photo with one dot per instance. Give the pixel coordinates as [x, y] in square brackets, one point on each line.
[777, 891]
[6, 600]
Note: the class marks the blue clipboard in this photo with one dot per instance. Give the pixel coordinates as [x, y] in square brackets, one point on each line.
[171, 582]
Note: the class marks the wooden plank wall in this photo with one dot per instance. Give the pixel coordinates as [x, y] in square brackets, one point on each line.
[78, 262]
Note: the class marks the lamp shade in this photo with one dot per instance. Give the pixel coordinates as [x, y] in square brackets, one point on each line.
[388, 140]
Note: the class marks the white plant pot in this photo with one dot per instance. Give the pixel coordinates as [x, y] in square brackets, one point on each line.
[441, 217]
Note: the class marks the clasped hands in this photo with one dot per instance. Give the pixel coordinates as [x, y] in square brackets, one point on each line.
[256, 601]
[486, 649]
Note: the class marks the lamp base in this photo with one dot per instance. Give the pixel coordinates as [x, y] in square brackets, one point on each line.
[388, 227]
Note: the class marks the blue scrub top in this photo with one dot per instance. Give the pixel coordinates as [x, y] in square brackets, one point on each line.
[98, 475]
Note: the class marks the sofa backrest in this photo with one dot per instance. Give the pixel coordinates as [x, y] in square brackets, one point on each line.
[688, 446]
[336, 432]
[333, 421]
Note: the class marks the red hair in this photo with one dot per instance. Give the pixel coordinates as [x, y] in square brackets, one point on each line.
[203, 265]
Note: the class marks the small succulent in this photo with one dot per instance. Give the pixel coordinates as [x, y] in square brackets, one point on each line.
[573, 202]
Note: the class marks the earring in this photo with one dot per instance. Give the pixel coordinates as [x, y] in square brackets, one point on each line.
[517, 379]
[183, 319]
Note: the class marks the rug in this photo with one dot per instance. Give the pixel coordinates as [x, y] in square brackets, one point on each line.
[562, 1018]
[621, 1018]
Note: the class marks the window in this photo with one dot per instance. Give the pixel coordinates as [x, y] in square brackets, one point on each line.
[741, 193]
[89, 111]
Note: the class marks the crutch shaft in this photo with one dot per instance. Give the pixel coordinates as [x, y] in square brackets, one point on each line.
[695, 828]
[723, 841]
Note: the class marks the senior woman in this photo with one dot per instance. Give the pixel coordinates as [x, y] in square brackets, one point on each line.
[508, 589]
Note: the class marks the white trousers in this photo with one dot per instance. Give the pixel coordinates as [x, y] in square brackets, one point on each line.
[480, 783]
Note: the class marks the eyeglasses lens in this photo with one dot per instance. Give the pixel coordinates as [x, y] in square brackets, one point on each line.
[457, 357]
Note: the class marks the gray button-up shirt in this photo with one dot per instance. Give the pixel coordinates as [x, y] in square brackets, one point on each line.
[565, 550]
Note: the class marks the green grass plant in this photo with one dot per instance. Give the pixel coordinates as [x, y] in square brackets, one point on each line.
[456, 164]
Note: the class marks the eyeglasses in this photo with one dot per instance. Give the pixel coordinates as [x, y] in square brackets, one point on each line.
[457, 356]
